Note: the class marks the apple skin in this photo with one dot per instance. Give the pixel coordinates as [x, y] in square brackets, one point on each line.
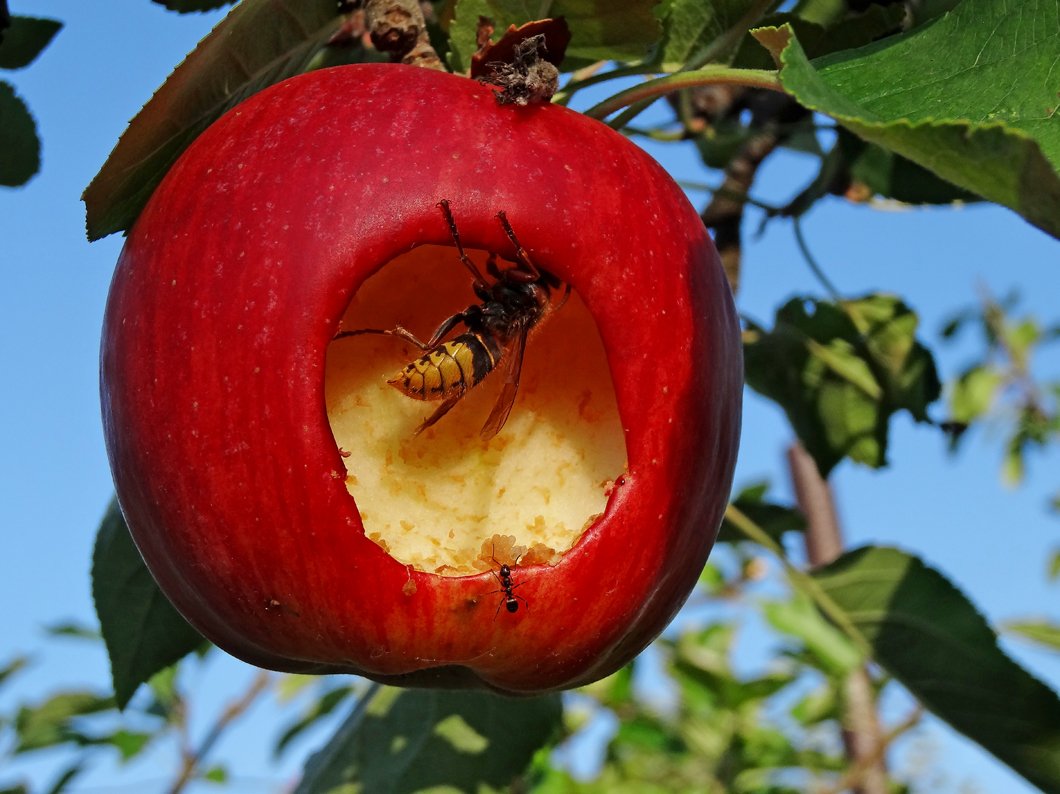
[231, 286]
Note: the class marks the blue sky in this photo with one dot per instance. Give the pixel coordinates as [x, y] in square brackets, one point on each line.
[108, 60]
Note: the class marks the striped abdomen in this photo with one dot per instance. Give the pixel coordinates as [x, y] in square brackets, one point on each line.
[449, 369]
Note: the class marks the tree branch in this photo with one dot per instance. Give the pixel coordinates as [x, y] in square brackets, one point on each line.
[399, 28]
[862, 735]
[191, 761]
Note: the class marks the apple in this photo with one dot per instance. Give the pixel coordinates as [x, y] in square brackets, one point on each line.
[274, 481]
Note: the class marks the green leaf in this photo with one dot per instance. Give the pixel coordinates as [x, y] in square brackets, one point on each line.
[142, 630]
[976, 105]
[1019, 337]
[128, 743]
[19, 144]
[972, 394]
[49, 723]
[818, 706]
[166, 700]
[927, 634]
[321, 707]
[216, 774]
[893, 176]
[823, 36]
[904, 367]
[418, 739]
[775, 519]
[840, 371]
[13, 667]
[261, 42]
[71, 629]
[66, 777]
[1043, 632]
[25, 40]
[599, 31]
[615, 691]
[188, 6]
[691, 27]
[926, 10]
[799, 618]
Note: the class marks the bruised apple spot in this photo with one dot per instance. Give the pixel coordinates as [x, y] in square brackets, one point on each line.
[446, 501]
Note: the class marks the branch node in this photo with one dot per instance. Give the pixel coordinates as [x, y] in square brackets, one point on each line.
[398, 27]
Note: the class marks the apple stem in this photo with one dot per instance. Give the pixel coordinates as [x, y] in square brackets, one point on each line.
[399, 27]
[660, 86]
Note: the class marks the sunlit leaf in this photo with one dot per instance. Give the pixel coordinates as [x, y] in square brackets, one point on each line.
[840, 371]
[165, 697]
[972, 394]
[50, 723]
[615, 691]
[977, 104]
[13, 667]
[321, 707]
[73, 630]
[799, 618]
[775, 519]
[927, 634]
[418, 739]
[816, 707]
[216, 774]
[1044, 632]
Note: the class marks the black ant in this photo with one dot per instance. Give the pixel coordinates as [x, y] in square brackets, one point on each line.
[510, 600]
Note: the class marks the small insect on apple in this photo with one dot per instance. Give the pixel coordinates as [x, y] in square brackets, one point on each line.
[504, 577]
[497, 329]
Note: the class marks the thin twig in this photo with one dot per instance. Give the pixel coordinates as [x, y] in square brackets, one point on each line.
[853, 775]
[592, 75]
[725, 212]
[399, 28]
[862, 735]
[815, 268]
[708, 75]
[799, 578]
[193, 760]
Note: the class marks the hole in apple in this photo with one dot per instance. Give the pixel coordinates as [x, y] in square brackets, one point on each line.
[447, 501]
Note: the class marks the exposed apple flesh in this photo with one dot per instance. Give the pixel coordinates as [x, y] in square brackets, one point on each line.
[439, 500]
[225, 303]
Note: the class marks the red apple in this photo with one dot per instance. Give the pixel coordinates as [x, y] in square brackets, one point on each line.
[272, 480]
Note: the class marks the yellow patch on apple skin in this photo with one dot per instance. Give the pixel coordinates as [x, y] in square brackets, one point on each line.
[446, 501]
